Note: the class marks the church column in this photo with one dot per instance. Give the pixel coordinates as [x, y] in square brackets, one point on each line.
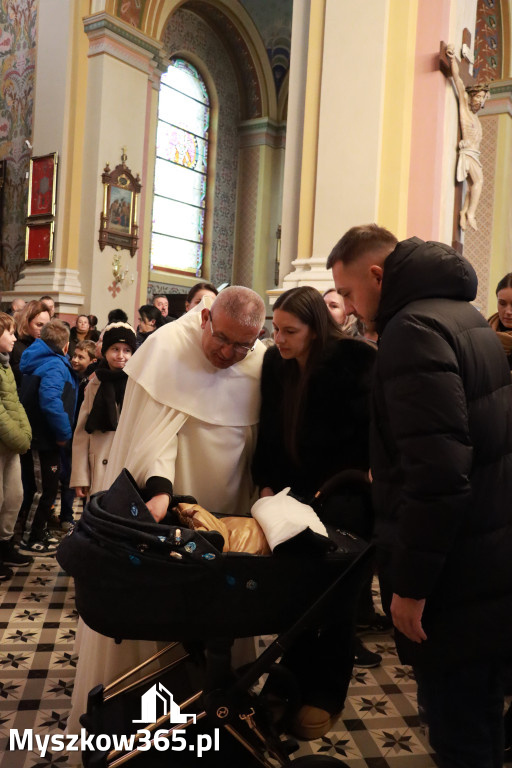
[259, 188]
[294, 135]
[342, 130]
[120, 111]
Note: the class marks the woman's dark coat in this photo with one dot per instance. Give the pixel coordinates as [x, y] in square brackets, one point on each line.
[442, 456]
[334, 434]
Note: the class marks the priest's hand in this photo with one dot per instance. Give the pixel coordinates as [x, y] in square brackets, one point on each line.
[158, 506]
[407, 614]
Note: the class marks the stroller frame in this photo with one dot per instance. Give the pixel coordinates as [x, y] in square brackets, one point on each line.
[230, 705]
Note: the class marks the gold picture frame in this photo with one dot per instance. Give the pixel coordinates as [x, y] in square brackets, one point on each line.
[39, 237]
[42, 186]
[118, 219]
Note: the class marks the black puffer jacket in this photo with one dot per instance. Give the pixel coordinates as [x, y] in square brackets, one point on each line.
[334, 432]
[442, 456]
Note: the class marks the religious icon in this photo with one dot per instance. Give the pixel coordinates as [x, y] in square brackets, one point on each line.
[118, 225]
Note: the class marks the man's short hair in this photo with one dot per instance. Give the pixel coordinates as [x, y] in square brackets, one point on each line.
[242, 304]
[160, 296]
[357, 240]
[55, 332]
[7, 323]
[87, 346]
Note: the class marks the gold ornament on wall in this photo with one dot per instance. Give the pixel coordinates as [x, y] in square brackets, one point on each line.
[118, 219]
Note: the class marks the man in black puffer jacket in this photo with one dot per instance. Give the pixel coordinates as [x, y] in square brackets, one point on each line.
[441, 458]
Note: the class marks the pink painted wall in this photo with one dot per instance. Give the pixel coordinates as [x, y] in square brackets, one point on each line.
[425, 179]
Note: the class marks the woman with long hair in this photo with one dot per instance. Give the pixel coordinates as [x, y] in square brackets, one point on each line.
[314, 423]
[31, 319]
[150, 319]
[501, 321]
[315, 398]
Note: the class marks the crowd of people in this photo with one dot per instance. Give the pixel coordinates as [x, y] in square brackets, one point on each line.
[391, 374]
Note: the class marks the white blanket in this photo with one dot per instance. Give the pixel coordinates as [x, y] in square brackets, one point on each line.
[282, 517]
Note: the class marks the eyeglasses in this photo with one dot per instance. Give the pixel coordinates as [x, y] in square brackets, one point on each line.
[241, 350]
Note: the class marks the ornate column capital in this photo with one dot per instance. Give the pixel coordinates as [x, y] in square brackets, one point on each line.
[114, 37]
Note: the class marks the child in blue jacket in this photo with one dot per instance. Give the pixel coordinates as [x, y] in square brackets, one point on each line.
[48, 391]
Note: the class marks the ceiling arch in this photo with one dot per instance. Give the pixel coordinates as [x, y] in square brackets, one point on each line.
[232, 23]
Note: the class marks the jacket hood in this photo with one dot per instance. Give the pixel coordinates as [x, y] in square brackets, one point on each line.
[39, 354]
[423, 270]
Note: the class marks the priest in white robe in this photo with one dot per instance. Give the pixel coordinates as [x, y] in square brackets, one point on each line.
[188, 423]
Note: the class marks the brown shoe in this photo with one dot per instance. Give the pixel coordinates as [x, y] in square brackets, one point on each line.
[312, 722]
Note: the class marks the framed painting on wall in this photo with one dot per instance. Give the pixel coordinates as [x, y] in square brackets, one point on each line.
[118, 226]
[39, 241]
[42, 185]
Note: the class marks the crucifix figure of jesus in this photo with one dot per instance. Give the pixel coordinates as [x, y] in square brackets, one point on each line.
[471, 99]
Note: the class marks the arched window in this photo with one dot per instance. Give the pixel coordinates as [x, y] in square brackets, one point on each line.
[180, 171]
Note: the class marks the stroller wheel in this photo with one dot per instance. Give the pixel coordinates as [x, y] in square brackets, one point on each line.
[316, 761]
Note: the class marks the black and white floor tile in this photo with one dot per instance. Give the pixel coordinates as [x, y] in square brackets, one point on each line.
[379, 727]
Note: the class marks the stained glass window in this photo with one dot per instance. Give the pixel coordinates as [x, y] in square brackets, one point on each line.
[180, 170]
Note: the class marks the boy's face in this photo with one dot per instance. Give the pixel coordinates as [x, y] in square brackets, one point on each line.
[80, 360]
[118, 355]
[7, 340]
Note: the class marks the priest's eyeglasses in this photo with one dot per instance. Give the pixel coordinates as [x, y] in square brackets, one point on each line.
[240, 350]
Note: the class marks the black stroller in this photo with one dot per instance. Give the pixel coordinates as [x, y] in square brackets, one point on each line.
[136, 579]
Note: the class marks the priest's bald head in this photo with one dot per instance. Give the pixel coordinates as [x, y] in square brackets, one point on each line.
[232, 326]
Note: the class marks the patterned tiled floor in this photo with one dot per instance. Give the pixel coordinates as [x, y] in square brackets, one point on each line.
[379, 727]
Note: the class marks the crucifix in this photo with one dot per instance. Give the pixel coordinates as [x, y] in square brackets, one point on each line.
[472, 97]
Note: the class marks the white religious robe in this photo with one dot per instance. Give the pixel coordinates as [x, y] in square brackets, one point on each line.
[187, 421]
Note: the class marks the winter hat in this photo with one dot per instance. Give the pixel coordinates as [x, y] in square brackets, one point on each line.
[116, 333]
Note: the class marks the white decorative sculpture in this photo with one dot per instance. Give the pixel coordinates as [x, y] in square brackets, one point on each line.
[471, 100]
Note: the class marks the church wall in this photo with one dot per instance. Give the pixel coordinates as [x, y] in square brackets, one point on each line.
[116, 117]
[397, 139]
[57, 104]
[478, 245]
[273, 18]
[350, 119]
[18, 25]
[430, 203]
[501, 244]
[187, 33]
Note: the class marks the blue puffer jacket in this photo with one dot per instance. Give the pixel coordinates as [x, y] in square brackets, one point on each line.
[48, 392]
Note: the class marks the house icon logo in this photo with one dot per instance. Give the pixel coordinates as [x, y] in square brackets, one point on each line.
[159, 698]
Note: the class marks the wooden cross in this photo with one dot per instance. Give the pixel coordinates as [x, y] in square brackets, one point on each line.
[464, 64]
[468, 79]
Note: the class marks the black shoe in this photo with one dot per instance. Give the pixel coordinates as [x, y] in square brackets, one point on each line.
[49, 539]
[5, 572]
[10, 556]
[365, 658]
[377, 625]
[38, 549]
